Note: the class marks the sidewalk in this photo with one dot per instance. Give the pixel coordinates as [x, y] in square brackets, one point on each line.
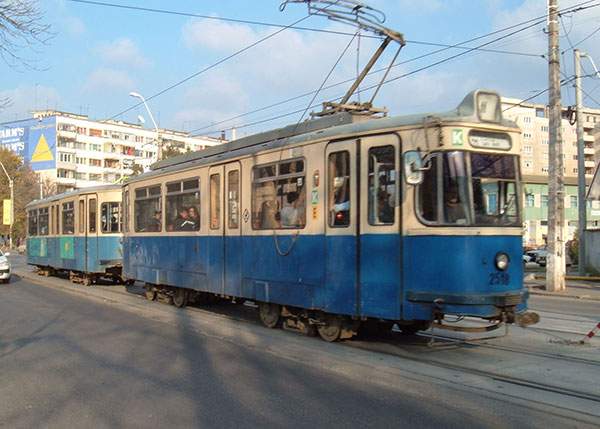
[576, 289]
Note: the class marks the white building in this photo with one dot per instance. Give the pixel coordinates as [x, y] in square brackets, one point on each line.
[74, 151]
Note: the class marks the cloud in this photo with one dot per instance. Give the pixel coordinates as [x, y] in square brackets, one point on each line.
[107, 79]
[122, 52]
[74, 25]
[25, 98]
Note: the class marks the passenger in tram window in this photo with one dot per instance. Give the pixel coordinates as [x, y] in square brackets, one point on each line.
[194, 217]
[183, 221]
[269, 215]
[384, 208]
[289, 213]
[155, 224]
[453, 208]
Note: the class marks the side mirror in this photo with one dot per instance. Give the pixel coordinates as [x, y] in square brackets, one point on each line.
[413, 167]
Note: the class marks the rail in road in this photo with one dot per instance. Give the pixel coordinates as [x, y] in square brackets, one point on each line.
[523, 366]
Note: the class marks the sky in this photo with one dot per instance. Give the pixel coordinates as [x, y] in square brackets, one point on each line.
[98, 55]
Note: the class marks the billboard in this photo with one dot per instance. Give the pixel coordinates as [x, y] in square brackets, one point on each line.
[32, 139]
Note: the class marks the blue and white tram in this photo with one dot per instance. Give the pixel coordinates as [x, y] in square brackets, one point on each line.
[78, 232]
[341, 221]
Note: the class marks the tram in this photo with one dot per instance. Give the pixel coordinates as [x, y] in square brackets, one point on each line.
[77, 232]
[340, 222]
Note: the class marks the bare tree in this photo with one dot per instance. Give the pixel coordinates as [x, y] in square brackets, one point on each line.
[21, 28]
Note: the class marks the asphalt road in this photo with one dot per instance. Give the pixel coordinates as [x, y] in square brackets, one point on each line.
[68, 361]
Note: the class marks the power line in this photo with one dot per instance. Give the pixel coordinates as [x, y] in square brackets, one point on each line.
[275, 25]
[573, 9]
[400, 76]
[213, 65]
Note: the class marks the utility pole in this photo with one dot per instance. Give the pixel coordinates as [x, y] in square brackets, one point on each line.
[581, 205]
[555, 271]
[11, 186]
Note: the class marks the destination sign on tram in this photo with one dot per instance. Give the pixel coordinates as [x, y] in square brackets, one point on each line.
[490, 140]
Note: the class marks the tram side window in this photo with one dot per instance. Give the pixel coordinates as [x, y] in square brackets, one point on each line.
[52, 219]
[428, 191]
[215, 201]
[43, 221]
[339, 189]
[57, 219]
[233, 199]
[68, 218]
[81, 210]
[32, 223]
[148, 210]
[279, 196]
[110, 217]
[183, 205]
[382, 185]
[93, 214]
[125, 205]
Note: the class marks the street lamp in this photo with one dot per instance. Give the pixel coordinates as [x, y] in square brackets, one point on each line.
[12, 204]
[158, 142]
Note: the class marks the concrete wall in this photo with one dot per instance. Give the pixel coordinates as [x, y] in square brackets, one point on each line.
[592, 246]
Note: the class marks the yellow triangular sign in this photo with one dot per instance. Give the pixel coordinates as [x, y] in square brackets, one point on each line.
[42, 151]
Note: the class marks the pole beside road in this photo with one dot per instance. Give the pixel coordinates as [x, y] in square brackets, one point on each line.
[555, 274]
[581, 206]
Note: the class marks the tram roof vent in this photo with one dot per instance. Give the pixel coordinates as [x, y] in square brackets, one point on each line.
[342, 118]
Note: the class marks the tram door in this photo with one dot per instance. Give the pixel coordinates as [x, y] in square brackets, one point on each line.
[225, 246]
[341, 241]
[82, 232]
[380, 240]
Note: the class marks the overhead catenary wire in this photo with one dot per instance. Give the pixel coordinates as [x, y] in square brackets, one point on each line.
[418, 70]
[576, 8]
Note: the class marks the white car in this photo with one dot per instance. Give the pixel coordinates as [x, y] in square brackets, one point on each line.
[5, 271]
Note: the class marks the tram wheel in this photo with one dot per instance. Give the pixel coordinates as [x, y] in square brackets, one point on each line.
[180, 298]
[150, 294]
[270, 314]
[330, 329]
[86, 280]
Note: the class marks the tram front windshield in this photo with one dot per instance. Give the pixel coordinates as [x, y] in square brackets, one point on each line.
[470, 189]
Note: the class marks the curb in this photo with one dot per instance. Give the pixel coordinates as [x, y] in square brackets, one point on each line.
[556, 295]
[576, 278]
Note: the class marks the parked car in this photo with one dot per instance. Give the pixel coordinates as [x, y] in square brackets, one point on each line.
[542, 260]
[534, 254]
[5, 271]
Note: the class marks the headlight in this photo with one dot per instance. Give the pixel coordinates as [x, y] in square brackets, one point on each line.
[502, 261]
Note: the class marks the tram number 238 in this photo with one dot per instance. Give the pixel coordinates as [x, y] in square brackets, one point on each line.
[499, 279]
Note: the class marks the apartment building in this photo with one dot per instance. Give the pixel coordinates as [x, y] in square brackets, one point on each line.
[74, 151]
[533, 121]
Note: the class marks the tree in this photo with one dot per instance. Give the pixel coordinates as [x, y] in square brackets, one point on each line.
[26, 189]
[21, 28]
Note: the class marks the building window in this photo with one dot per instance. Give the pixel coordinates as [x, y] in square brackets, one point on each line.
[338, 190]
[544, 128]
[382, 185]
[183, 205]
[528, 164]
[110, 217]
[147, 209]
[540, 113]
[544, 201]
[68, 218]
[527, 149]
[530, 200]
[92, 209]
[573, 199]
[526, 135]
[527, 119]
[544, 169]
[543, 223]
[278, 195]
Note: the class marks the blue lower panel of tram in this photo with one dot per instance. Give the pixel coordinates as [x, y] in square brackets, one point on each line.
[85, 254]
[318, 272]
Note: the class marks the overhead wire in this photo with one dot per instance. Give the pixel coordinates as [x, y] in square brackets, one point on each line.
[576, 8]
[418, 70]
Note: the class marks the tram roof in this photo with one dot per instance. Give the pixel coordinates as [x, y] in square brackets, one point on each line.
[327, 127]
[74, 193]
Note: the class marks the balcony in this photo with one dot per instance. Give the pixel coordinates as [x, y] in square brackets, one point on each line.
[589, 164]
[589, 151]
